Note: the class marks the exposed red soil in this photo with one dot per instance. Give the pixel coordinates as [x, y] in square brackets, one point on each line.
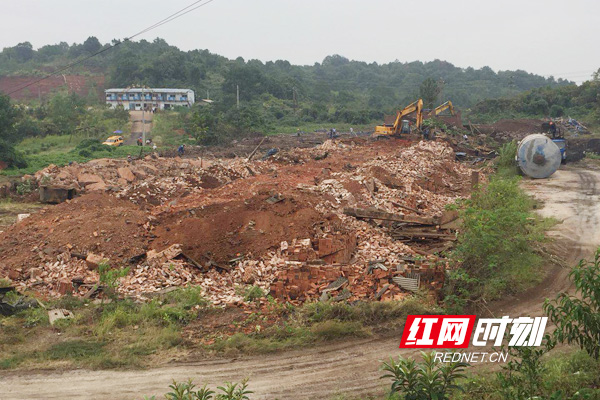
[93, 222]
[223, 231]
[73, 83]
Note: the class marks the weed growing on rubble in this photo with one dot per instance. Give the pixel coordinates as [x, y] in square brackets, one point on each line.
[109, 277]
[251, 293]
[495, 252]
[505, 162]
[25, 187]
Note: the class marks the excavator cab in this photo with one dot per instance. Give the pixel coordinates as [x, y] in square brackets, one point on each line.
[405, 126]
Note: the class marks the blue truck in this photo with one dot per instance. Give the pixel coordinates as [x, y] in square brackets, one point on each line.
[562, 145]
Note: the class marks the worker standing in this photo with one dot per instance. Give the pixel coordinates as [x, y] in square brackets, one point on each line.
[553, 129]
[181, 150]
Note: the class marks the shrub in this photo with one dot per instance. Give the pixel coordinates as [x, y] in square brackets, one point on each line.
[523, 376]
[252, 293]
[229, 391]
[577, 318]
[505, 162]
[494, 254]
[10, 156]
[109, 277]
[426, 381]
[25, 187]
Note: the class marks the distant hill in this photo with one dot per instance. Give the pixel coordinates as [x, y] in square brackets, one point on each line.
[334, 86]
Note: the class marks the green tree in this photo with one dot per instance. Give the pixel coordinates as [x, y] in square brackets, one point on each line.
[91, 45]
[24, 51]
[522, 377]
[577, 318]
[65, 110]
[202, 125]
[429, 91]
[8, 118]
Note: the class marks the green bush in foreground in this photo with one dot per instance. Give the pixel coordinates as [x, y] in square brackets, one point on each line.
[186, 391]
[577, 318]
[429, 380]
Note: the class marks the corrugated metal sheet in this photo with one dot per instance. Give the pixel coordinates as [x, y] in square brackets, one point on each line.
[410, 282]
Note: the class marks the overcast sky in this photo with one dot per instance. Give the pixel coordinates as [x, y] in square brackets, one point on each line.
[547, 37]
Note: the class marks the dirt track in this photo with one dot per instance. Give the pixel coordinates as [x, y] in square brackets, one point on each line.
[571, 196]
[138, 119]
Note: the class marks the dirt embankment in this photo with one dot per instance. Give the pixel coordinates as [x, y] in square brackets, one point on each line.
[506, 130]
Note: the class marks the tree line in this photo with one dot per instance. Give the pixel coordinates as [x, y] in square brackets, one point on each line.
[336, 89]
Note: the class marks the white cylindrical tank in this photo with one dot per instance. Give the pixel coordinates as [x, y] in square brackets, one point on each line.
[538, 156]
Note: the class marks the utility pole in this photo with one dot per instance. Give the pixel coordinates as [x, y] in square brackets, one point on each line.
[238, 96]
[294, 97]
[143, 120]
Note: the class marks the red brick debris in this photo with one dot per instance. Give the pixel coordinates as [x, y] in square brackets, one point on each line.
[281, 224]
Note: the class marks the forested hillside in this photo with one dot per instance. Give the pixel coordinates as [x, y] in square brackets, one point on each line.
[581, 102]
[335, 89]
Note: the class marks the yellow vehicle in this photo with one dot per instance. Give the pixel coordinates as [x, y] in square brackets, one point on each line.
[443, 107]
[401, 125]
[114, 141]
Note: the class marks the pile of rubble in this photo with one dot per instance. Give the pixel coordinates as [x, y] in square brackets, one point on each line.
[153, 179]
[337, 221]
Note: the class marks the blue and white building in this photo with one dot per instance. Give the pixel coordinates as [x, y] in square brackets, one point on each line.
[148, 99]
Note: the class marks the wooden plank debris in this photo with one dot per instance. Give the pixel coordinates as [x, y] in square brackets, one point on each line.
[387, 216]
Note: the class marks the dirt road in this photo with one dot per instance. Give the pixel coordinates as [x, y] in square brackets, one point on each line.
[571, 196]
[138, 119]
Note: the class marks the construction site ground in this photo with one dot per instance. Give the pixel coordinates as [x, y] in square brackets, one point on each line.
[571, 196]
[317, 220]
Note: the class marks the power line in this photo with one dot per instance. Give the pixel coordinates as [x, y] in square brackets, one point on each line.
[168, 19]
[172, 17]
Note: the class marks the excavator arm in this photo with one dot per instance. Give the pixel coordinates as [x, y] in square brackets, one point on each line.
[417, 107]
[446, 106]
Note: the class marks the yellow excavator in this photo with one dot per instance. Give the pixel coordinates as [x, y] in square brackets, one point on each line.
[443, 107]
[401, 125]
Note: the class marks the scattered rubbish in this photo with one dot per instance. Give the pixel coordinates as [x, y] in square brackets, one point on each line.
[410, 282]
[275, 199]
[21, 217]
[58, 314]
[94, 260]
[56, 194]
[337, 284]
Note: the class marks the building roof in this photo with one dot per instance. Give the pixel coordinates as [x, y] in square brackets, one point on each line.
[147, 90]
